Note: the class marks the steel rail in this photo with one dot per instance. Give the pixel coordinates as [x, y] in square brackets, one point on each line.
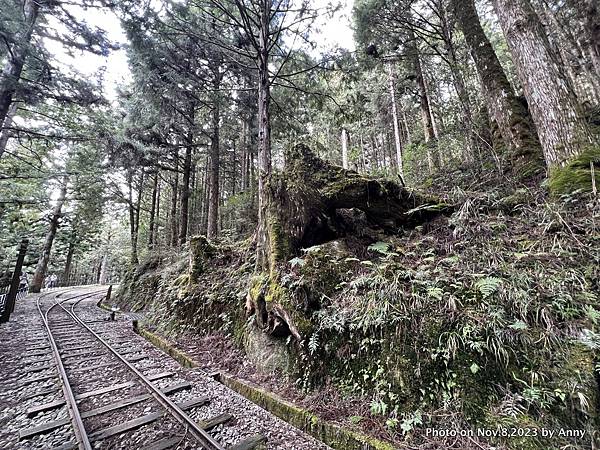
[198, 432]
[83, 442]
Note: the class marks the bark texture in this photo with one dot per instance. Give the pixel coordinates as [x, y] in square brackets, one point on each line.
[510, 113]
[214, 175]
[264, 136]
[561, 128]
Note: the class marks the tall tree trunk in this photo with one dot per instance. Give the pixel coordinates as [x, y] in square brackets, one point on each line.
[458, 81]
[551, 98]
[174, 196]
[243, 157]
[153, 214]
[42, 265]
[264, 136]
[68, 263]
[426, 117]
[214, 171]
[5, 131]
[344, 148]
[591, 17]
[424, 104]
[397, 136]
[11, 73]
[133, 234]
[184, 209]
[510, 113]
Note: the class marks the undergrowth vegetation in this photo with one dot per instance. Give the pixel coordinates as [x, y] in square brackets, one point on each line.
[488, 318]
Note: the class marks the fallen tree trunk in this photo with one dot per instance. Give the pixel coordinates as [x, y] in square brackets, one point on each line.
[313, 202]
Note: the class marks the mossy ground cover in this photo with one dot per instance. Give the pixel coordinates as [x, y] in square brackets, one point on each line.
[486, 319]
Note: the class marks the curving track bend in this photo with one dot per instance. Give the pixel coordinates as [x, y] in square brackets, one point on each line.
[110, 391]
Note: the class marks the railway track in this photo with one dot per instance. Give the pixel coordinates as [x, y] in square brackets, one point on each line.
[107, 390]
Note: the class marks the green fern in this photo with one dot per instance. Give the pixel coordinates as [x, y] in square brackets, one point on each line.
[380, 247]
[313, 343]
[488, 285]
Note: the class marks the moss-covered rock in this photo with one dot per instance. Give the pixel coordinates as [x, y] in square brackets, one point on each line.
[577, 174]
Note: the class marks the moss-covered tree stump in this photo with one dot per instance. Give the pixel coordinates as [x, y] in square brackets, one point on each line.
[313, 202]
[201, 250]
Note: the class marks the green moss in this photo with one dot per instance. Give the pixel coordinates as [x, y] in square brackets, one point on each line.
[276, 293]
[201, 250]
[576, 175]
[257, 285]
[280, 247]
[333, 435]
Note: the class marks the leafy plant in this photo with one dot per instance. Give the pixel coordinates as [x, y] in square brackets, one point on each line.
[488, 285]
[380, 247]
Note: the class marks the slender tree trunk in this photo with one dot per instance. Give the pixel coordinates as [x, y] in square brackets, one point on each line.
[551, 98]
[153, 214]
[68, 263]
[243, 156]
[425, 106]
[344, 148]
[214, 171]
[510, 114]
[102, 279]
[11, 73]
[174, 196]
[42, 265]
[397, 136]
[5, 131]
[184, 209]
[264, 136]
[136, 226]
[426, 117]
[133, 235]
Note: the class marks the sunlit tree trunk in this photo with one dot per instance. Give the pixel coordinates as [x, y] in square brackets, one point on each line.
[344, 148]
[42, 265]
[551, 98]
[510, 114]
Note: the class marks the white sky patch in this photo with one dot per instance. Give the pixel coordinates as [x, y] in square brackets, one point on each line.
[114, 66]
[334, 30]
[329, 31]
